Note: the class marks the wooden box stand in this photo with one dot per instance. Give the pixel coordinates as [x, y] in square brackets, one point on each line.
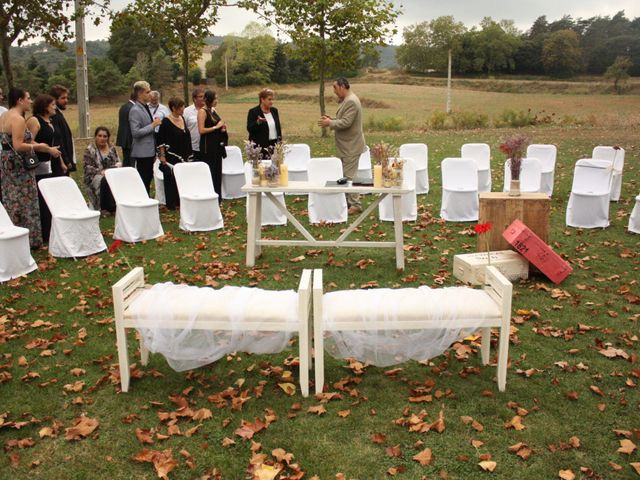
[470, 267]
[499, 209]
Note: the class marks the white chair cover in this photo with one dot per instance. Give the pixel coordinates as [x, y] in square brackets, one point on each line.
[481, 153]
[75, 230]
[409, 201]
[634, 219]
[588, 205]
[419, 153]
[365, 171]
[617, 158]
[297, 159]
[326, 207]
[390, 344]
[15, 255]
[459, 190]
[199, 207]
[158, 177]
[137, 215]
[270, 215]
[530, 175]
[233, 174]
[189, 347]
[547, 155]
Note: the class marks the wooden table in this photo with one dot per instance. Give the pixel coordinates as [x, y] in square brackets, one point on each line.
[500, 209]
[254, 224]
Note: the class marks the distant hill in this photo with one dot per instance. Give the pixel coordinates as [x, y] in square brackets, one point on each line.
[388, 57]
[50, 57]
[214, 40]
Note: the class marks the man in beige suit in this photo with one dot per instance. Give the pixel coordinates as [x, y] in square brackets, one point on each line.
[349, 137]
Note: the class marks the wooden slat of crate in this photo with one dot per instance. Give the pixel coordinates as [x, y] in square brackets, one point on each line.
[501, 210]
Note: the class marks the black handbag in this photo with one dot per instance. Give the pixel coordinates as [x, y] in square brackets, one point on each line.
[30, 159]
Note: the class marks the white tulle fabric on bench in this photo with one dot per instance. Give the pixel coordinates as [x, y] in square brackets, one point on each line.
[402, 324]
[213, 322]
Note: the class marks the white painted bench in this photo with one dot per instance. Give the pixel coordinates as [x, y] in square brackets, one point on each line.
[129, 306]
[493, 309]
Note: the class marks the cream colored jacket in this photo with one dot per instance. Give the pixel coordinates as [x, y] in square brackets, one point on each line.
[348, 127]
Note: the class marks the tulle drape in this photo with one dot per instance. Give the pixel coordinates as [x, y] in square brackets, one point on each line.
[188, 347]
[383, 341]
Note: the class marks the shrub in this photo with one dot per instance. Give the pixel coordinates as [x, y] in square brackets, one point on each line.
[511, 118]
[457, 120]
[387, 124]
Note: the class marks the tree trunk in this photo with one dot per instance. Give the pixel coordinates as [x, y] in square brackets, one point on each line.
[185, 68]
[449, 85]
[322, 71]
[5, 45]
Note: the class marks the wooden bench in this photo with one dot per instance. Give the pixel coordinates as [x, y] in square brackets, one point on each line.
[131, 312]
[494, 309]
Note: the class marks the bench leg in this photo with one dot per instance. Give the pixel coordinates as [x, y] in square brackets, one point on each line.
[503, 358]
[303, 338]
[144, 353]
[486, 344]
[123, 357]
[318, 353]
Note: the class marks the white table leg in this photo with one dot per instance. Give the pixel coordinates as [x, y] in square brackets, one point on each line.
[399, 234]
[251, 229]
[258, 223]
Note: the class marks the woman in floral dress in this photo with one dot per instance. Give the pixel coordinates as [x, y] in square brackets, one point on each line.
[98, 157]
[19, 190]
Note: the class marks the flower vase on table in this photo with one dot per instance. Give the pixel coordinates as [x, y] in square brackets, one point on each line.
[387, 170]
[514, 188]
[515, 147]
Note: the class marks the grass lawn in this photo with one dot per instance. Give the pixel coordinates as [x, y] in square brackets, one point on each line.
[575, 406]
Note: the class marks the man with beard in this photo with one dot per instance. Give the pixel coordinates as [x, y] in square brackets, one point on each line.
[60, 125]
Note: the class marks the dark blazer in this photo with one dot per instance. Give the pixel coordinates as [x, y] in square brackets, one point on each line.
[66, 139]
[124, 138]
[259, 133]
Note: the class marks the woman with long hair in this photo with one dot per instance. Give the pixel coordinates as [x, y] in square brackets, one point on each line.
[213, 139]
[43, 131]
[18, 183]
[99, 156]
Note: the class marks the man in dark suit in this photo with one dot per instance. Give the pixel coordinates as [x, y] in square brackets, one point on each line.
[124, 133]
[263, 123]
[143, 124]
[60, 125]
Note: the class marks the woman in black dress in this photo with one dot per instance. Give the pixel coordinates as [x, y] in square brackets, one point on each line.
[174, 145]
[43, 131]
[213, 139]
[263, 123]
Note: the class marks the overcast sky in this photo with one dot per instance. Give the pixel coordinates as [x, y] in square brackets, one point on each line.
[469, 12]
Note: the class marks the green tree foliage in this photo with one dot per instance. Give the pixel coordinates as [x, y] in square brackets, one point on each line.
[289, 66]
[181, 26]
[195, 76]
[561, 54]
[21, 20]
[619, 72]
[493, 48]
[64, 74]
[128, 38]
[105, 78]
[249, 60]
[331, 35]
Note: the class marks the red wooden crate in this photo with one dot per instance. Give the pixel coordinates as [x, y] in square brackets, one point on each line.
[537, 252]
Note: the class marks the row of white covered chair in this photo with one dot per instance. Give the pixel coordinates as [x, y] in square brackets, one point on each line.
[297, 159]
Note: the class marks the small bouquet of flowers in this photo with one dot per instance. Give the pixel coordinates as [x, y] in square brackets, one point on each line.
[388, 166]
[515, 148]
[482, 228]
[254, 153]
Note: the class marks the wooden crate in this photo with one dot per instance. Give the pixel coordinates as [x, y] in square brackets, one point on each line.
[499, 209]
[470, 267]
